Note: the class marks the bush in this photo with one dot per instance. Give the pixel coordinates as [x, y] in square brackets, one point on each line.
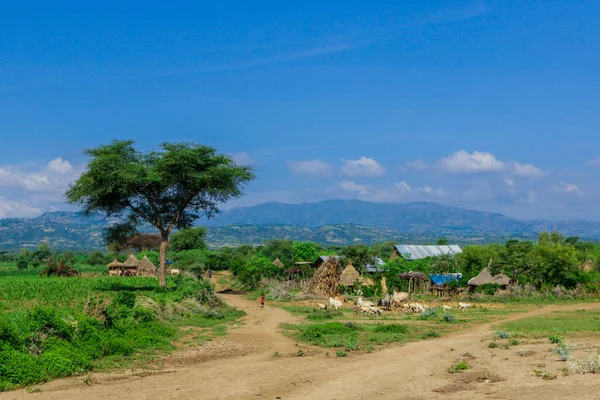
[556, 339]
[391, 328]
[21, 369]
[448, 318]
[22, 264]
[488, 289]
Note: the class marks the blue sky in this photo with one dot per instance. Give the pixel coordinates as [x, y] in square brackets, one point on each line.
[484, 105]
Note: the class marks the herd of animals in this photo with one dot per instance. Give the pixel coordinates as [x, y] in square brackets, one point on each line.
[388, 302]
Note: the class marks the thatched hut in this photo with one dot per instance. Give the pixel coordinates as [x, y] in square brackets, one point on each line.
[146, 268]
[350, 276]
[130, 266]
[485, 277]
[278, 263]
[324, 282]
[115, 268]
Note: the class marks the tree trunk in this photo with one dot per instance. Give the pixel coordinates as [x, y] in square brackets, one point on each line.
[162, 270]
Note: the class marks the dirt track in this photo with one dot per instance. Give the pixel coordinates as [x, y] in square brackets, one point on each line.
[241, 366]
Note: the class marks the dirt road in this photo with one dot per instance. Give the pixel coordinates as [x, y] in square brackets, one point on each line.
[241, 366]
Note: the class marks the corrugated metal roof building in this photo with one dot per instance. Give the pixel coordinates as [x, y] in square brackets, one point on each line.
[418, 252]
[376, 266]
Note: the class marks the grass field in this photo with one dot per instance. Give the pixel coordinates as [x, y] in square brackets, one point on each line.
[56, 327]
[576, 323]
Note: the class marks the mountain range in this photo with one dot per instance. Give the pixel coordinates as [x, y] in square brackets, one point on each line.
[339, 222]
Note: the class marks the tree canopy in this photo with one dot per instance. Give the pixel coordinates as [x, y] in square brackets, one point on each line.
[189, 239]
[168, 188]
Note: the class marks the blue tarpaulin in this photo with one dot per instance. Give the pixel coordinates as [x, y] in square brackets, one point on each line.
[442, 279]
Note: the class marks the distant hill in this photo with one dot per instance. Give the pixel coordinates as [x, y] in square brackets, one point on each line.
[416, 218]
[329, 222]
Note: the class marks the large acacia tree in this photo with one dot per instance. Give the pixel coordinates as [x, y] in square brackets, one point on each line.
[168, 188]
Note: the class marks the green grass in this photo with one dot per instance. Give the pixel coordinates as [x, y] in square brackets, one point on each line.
[554, 324]
[352, 336]
[56, 327]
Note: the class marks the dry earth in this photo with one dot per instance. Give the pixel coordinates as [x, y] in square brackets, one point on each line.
[241, 366]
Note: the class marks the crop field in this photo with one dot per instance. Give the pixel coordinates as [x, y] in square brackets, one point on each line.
[56, 327]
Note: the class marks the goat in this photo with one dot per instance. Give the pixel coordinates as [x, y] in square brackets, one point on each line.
[464, 306]
[322, 306]
[174, 271]
[446, 308]
[386, 302]
[399, 297]
[361, 302]
[335, 303]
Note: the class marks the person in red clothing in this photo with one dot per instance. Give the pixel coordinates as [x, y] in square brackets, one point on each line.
[262, 300]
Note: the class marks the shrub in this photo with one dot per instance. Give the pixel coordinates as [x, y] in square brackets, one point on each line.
[428, 313]
[502, 335]
[341, 353]
[21, 369]
[493, 345]
[391, 328]
[432, 334]
[556, 339]
[448, 318]
[22, 264]
[565, 351]
[488, 289]
[459, 366]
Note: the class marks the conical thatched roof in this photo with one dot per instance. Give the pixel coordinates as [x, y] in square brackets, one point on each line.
[115, 264]
[485, 276]
[131, 262]
[146, 267]
[278, 263]
[349, 276]
[325, 280]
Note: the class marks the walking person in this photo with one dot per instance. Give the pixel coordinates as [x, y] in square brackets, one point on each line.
[262, 300]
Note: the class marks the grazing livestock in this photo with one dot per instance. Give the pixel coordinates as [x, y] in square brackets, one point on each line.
[360, 302]
[464, 306]
[386, 302]
[174, 271]
[446, 308]
[322, 306]
[399, 298]
[375, 311]
[335, 303]
[417, 307]
[406, 306]
[340, 298]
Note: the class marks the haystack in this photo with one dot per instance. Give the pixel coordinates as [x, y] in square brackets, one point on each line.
[130, 266]
[350, 276]
[384, 288]
[278, 263]
[485, 277]
[146, 268]
[115, 267]
[324, 283]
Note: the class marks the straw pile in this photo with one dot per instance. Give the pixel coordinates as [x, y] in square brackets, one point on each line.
[384, 288]
[325, 281]
[349, 276]
[278, 263]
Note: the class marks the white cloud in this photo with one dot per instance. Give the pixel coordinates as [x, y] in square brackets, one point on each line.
[416, 165]
[315, 168]
[463, 162]
[362, 167]
[406, 189]
[510, 182]
[568, 188]
[59, 165]
[351, 186]
[403, 187]
[242, 158]
[595, 162]
[527, 170]
[11, 208]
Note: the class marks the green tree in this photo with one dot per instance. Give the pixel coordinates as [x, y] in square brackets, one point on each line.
[169, 188]
[443, 264]
[305, 252]
[25, 254]
[515, 259]
[188, 239]
[442, 242]
[384, 250]
[475, 258]
[283, 249]
[43, 253]
[22, 263]
[359, 255]
[257, 268]
[96, 258]
[556, 260]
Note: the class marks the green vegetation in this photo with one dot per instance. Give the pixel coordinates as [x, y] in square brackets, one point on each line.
[56, 327]
[556, 325]
[459, 366]
[169, 188]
